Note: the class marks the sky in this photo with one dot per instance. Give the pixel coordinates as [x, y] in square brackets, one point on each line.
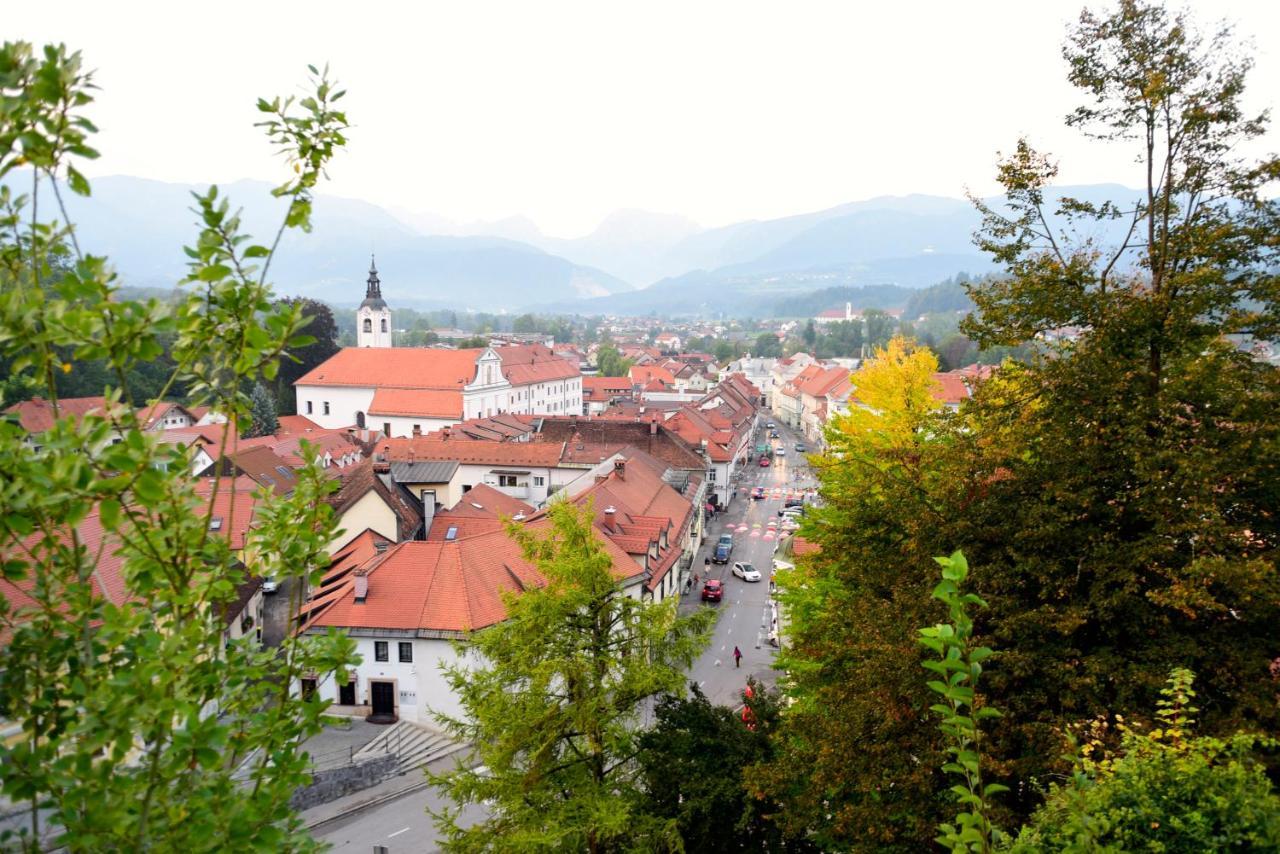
[566, 111]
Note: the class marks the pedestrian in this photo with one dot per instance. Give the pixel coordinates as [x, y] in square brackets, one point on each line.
[706, 564]
[737, 657]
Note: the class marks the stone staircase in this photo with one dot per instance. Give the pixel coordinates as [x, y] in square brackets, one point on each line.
[412, 743]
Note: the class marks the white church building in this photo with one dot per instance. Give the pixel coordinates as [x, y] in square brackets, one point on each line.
[403, 391]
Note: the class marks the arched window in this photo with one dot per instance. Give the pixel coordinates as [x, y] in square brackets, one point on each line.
[368, 325]
[384, 324]
[360, 419]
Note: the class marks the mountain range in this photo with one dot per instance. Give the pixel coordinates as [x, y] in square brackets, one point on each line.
[635, 262]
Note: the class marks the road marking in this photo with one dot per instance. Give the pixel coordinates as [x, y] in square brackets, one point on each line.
[398, 832]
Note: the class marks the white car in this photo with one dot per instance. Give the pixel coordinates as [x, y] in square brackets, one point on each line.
[746, 571]
[780, 452]
[270, 585]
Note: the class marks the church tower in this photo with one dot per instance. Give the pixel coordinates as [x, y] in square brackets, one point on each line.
[373, 318]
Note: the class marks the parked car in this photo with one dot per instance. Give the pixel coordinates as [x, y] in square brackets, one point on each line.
[791, 512]
[757, 493]
[712, 590]
[771, 425]
[723, 549]
[793, 502]
[764, 462]
[746, 571]
[800, 447]
[773, 434]
[270, 585]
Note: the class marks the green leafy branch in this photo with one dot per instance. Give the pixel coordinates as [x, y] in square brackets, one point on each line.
[959, 664]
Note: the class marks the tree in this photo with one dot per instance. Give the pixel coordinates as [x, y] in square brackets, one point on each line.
[609, 362]
[856, 764]
[810, 334]
[262, 413]
[322, 330]
[767, 346]
[135, 713]
[1126, 516]
[693, 759]
[1164, 790]
[553, 700]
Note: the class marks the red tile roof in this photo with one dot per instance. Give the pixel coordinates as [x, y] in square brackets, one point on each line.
[446, 587]
[643, 375]
[484, 501]
[951, 388]
[37, 414]
[424, 403]
[822, 381]
[543, 454]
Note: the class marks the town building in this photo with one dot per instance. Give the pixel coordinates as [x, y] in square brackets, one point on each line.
[406, 391]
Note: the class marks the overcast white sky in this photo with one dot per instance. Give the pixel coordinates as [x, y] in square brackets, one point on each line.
[564, 112]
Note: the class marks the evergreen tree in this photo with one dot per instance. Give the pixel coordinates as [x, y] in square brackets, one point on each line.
[551, 700]
[262, 413]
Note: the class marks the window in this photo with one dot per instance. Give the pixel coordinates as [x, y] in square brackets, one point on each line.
[406, 652]
[308, 688]
[506, 480]
[326, 407]
[380, 651]
[386, 428]
[310, 406]
[711, 476]
[539, 480]
[384, 324]
[368, 325]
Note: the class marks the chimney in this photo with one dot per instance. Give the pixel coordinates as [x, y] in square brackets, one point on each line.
[609, 524]
[445, 432]
[362, 586]
[417, 430]
[620, 468]
[653, 427]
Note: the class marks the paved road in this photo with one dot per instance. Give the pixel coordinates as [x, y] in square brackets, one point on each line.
[745, 613]
[401, 825]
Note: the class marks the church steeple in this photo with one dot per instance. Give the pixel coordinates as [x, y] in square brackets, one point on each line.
[373, 317]
[374, 289]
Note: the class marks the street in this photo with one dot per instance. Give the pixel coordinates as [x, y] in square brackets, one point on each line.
[744, 613]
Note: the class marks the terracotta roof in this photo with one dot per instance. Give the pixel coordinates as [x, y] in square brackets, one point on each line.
[494, 428]
[543, 454]
[423, 403]
[293, 424]
[642, 375]
[395, 367]
[266, 469]
[148, 416]
[951, 388]
[483, 500]
[447, 587]
[37, 414]
[822, 381]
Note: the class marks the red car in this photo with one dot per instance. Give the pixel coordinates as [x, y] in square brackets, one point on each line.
[764, 462]
[712, 590]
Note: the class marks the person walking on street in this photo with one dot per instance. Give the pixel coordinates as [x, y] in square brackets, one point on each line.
[737, 657]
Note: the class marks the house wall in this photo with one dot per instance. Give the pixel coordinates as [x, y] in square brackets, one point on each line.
[402, 425]
[344, 402]
[369, 512]
[421, 688]
[252, 608]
